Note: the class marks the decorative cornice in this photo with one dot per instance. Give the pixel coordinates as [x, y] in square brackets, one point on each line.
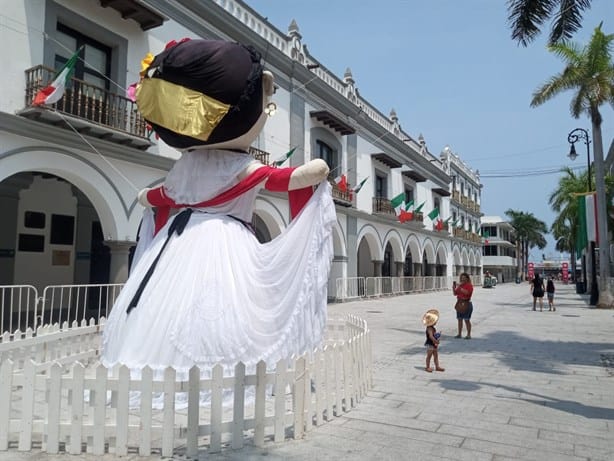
[48, 133]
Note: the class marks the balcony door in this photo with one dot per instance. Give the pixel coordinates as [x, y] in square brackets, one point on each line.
[87, 97]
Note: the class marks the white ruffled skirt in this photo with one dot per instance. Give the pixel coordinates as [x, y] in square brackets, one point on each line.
[219, 296]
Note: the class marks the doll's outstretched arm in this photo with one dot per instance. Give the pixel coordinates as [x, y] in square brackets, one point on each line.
[154, 197]
[309, 174]
[298, 182]
[293, 178]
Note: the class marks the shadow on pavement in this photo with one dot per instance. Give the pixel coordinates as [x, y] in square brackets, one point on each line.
[568, 406]
[522, 353]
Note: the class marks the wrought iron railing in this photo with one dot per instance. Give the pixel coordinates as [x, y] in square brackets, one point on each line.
[260, 155]
[89, 102]
[382, 205]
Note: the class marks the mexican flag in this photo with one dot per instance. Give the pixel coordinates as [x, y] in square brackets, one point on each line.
[417, 210]
[280, 162]
[433, 214]
[440, 223]
[398, 203]
[359, 186]
[53, 92]
[485, 234]
[342, 183]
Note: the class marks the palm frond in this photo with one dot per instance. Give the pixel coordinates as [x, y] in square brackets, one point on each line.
[527, 16]
[568, 19]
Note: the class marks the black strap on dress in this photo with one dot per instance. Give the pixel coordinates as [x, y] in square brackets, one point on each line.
[177, 226]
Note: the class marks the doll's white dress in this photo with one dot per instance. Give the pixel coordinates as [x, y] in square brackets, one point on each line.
[217, 295]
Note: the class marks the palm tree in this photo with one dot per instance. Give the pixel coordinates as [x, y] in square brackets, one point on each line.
[527, 16]
[563, 201]
[529, 234]
[589, 71]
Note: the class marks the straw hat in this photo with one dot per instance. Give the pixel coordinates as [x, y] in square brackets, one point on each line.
[430, 318]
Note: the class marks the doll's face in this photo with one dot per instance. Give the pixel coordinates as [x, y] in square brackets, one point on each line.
[246, 140]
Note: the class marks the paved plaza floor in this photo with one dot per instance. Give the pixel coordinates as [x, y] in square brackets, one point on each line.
[529, 385]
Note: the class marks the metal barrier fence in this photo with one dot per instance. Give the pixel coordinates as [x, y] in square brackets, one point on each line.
[22, 308]
[18, 307]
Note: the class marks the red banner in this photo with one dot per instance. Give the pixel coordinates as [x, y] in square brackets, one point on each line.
[565, 272]
[531, 268]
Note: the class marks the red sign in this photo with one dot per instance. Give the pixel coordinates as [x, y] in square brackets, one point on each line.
[531, 268]
[565, 272]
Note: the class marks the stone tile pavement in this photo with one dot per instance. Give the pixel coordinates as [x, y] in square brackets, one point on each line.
[528, 386]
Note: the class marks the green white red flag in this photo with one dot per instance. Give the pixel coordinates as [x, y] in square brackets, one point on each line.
[53, 92]
[280, 162]
[398, 203]
[342, 183]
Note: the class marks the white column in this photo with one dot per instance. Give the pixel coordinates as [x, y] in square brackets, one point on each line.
[118, 270]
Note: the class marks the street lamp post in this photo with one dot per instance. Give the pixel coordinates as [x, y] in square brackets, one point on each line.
[572, 138]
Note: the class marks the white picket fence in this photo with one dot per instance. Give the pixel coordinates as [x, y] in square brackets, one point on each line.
[54, 402]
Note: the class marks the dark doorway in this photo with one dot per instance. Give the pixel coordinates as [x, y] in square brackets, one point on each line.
[100, 261]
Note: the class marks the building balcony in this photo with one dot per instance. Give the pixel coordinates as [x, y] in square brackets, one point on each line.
[456, 196]
[445, 227]
[260, 155]
[381, 205]
[341, 197]
[88, 109]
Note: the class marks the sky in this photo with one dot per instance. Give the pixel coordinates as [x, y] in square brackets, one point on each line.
[452, 73]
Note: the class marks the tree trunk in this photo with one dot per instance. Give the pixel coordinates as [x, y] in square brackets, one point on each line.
[572, 263]
[519, 274]
[605, 297]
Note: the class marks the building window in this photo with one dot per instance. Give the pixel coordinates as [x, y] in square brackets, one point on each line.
[328, 154]
[381, 189]
[437, 203]
[94, 65]
[87, 95]
[490, 250]
[409, 194]
[491, 231]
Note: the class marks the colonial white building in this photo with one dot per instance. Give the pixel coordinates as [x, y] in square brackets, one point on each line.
[69, 173]
[499, 248]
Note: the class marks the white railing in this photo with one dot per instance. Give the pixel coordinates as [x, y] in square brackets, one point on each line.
[65, 303]
[21, 307]
[18, 307]
[73, 408]
[362, 287]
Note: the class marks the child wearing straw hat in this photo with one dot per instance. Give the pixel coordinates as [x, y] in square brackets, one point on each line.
[429, 319]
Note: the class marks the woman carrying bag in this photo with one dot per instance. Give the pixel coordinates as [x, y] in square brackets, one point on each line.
[463, 306]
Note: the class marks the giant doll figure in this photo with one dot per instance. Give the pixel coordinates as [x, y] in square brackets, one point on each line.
[204, 290]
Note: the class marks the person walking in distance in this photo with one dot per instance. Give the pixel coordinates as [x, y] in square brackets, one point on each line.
[463, 292]
[550, 293]
[537, 289]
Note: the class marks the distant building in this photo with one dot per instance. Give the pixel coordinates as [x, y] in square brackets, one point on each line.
[465, 199]
[499, 250]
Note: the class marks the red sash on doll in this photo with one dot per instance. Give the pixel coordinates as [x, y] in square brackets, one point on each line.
[277, 181]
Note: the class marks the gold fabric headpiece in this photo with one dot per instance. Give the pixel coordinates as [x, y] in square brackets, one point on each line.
[179, 109]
